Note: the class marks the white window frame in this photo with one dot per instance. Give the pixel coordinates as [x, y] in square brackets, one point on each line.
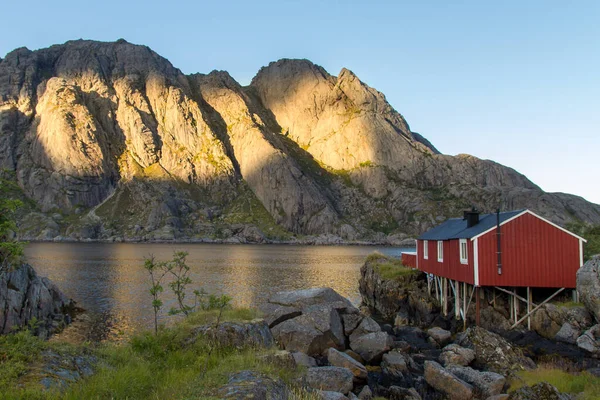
[464, 256]
[425, 250]
[440, 251]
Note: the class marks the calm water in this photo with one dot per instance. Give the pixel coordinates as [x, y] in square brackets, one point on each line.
[110, 283]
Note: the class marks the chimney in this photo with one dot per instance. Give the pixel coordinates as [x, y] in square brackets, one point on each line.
[472, 217]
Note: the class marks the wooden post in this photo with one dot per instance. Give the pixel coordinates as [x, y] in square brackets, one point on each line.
[477, 306]
[536, 307]
[516, 303]
[528, 308]
[445, 295]
[465, 305]
[511, 308]
[428, 284]
[456, 300]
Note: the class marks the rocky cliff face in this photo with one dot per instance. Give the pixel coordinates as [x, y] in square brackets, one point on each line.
[110, 140]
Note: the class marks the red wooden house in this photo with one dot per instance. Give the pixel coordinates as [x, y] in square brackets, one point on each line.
[506, 251]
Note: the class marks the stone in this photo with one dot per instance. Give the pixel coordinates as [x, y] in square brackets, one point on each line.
[309, 297]
[25, 296]
[350, 322]
[372, 346]
[355, 356]
[367, 325]
[395, 364]
[590, 340]
[494, 353]
[547, 320]
[281, 359]
[58, 370]
[276, 314]
[588, 286]
[334, 379]
[503, 396]
[445, 382]
[455, 354]
[339, 359]
[567, 334]
[330, 395]
[254, 333]
[441, 336]
[304, 360]
[253, 385]
[365, 393]
[540, 391]
[485, 384]
[399, 393]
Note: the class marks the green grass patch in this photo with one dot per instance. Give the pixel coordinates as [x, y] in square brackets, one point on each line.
[163, 366]
[568, 304]
[584, 384]
[389, 268]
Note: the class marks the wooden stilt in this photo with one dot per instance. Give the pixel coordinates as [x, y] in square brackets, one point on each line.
[511, 299]
[445, 295]
[465, 305]
[528, 308]
[536, 307]
[477, 306]
[456, 300]
[429, 284]
[516, 305]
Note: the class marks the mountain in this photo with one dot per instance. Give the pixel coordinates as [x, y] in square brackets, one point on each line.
[109, 140]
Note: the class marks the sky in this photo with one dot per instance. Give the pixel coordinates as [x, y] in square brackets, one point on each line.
[517, 82]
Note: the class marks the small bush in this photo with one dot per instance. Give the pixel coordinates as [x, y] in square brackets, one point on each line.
[584, 383]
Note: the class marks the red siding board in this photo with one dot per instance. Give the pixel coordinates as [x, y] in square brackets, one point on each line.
[451, 267]
[409, 260]
[534, 253]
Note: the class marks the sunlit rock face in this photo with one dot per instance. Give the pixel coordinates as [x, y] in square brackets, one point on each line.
[115, 133]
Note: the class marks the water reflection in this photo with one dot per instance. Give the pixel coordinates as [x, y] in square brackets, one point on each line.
[109, 281]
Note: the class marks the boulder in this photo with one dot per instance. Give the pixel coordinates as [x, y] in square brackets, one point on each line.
[485, 384]
[329, 395]
[254, 385]
[304, 360]
[455, 354]
[355, 355]
[276, 314]
[400, 393]
[494, 353]
[540, 391]
[588, 286]
[334, 379]
[445, 382]
[339, 359]
[395, 364]
[254, 333]
[58, 370]
[365, 393]
[372, 346]
[547, 320]
[367, 325]
[281, 359]
[590, 340]
[308, 297]
[567, 334]
[25, 296]
[441, 336]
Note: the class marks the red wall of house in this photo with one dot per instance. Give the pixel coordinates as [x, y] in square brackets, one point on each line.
[409, 260]
[534, 253]
[451, 267]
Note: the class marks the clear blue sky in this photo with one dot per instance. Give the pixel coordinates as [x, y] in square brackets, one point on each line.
[517, 82]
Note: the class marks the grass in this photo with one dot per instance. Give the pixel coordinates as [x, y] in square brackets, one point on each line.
[568, 304]
[389, 268]
[163, 366]
[584, 384]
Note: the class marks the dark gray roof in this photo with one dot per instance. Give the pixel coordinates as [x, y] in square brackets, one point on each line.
[456, 228]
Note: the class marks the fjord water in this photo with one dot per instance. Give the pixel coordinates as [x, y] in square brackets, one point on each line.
[108, 279]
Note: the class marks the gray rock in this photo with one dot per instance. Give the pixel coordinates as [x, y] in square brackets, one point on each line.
[308, 297]
[254, 333]
[399, 393]
[372, 346]
[590, 340]
[350, 322]
[395, 364]
[503, 396]
[365, 393]
[567, 334]
[441, 336]
[334, 379]
[330, 395]
[253, 385]
[281, 359]
[485, 384]
[24, 296]
[443, 381]
[588, 285]
[367, 325]
[494, 353]
[540, 391]
[455, 354]
[59, 370]
[339, 359]
[304, 360]
[276, 314]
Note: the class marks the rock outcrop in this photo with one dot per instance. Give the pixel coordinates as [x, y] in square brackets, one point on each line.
[588, 286]
[94, 130]
[26, 297]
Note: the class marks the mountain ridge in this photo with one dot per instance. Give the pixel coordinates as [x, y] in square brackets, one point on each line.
[110, 140]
